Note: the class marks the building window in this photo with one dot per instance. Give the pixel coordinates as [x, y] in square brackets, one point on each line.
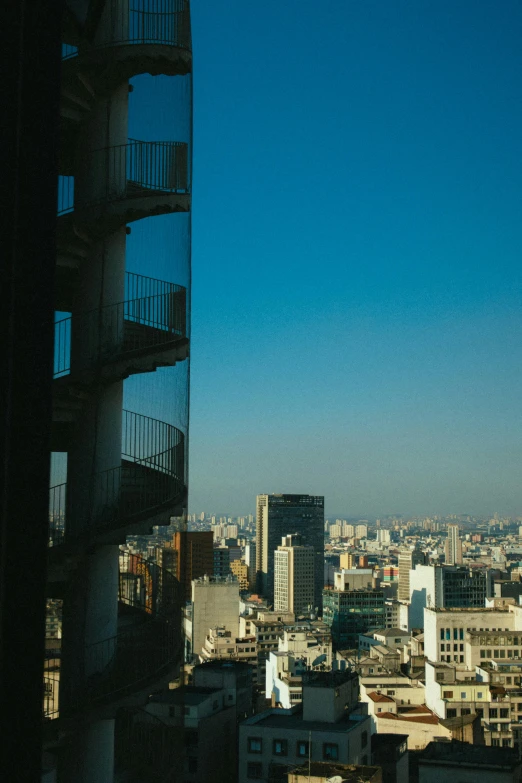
[254, 770]
[364, 739]
[506, 743]
[495, 743]
[465, 711]
[493, 713]
[504, 713]
[480, 712]
[390, 693]
[461, 633]
[280, 747]
[479, 695]
[482, 653]
[455, 633]
[461, 659]
[451, 713]
[255, 745]
[302, 749]
[463, 695]
[442, 633]
[330, 751]
[447, 694]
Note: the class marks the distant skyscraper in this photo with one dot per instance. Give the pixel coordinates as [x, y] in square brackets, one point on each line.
[281, 515]
[194, 557]
[361, 531]
[294, 576]
[453, 546]
[408, 559]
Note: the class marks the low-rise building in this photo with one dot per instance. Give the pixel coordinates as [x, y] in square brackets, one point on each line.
[327, 727]
[220, 644]
[298, 651]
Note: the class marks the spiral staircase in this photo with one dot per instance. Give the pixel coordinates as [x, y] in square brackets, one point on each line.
[141, 325]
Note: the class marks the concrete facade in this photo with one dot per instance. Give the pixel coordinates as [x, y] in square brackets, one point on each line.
[215, 602]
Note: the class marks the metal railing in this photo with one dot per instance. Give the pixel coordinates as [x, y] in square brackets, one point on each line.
[138, 652]
[164, 22]
[126, 171]
[144, 321]
[57, 513]
[62, 347]
[152, 476]
[146, 747]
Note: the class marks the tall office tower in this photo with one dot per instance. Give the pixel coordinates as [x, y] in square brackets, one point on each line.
[294, 566]
[361, 531]
[408, 559]
[448, 587]
[194, 557]
[121, 376]
[453, 546]
[281, 515]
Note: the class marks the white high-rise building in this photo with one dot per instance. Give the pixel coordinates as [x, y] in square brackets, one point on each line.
[383, 536]
[348, 531]
[361, 531]
[294, 576]
[453, 546]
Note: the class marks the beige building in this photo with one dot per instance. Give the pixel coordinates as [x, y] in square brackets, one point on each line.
[219, 643]
[348, 560]
[453, 546]
[240, 570]
[215, 601]
[294, 578]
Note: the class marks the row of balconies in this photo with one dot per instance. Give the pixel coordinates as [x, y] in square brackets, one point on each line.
[101, 191]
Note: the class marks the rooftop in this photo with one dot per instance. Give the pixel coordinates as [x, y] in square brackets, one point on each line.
[379, 697]
[349, 773]
[458, 753]
[392, 632]
[293, 719]
[431, 719]
[468, 609]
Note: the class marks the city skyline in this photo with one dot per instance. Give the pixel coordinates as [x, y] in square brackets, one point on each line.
[355, 294]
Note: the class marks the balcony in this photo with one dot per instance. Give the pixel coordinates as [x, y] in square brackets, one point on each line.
[133, 37]
[144, 490]
[140, 334]
[146, 648]
[116, 185]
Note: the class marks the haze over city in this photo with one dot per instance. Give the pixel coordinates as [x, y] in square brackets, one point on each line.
[356, 319]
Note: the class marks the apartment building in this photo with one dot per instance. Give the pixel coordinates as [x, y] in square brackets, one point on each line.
[326, 727]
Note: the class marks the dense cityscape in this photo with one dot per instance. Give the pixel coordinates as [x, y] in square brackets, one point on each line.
[410, 650]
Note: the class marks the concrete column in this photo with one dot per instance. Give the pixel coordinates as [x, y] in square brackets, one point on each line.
[89, 758]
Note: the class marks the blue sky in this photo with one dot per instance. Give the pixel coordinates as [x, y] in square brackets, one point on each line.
[357, 239]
